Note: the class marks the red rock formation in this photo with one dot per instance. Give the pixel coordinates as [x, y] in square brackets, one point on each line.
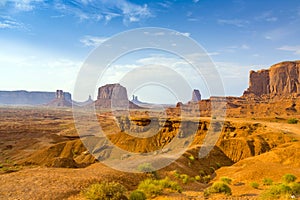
[113, 96]
[112, 91]
[281, 80]
[60, 100]
[284, 78]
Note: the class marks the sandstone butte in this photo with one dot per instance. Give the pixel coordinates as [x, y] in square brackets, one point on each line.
[281, 80]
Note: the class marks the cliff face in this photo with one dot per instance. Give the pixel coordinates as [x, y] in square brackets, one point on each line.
[284, 78]
[196, 96]
[281, 79]
[113, 96]
[29, 98]
[61, 100]
[112, 91]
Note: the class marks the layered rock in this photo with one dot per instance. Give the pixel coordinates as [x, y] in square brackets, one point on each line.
[281, 79]
[113, 96]
[61, 100]
[112, 91]
[196, 96]
[29, 98]
[284, 78]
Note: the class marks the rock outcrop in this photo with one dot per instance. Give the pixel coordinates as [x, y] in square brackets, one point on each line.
[196, 96]
[281, 80]
[23, 97]
[60, 100]
[113, 96]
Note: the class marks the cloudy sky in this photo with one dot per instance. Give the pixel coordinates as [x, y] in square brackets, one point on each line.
[44, 43]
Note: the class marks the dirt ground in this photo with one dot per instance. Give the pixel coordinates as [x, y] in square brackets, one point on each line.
[41, 156]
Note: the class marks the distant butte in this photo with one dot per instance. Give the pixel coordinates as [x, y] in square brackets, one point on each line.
[113, 96]
[281, 80]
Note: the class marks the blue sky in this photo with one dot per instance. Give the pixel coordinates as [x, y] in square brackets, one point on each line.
[44, 43]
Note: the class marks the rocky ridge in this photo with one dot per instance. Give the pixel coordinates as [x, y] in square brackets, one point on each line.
[281, 80]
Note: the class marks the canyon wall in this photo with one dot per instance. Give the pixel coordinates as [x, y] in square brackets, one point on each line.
[281, 79]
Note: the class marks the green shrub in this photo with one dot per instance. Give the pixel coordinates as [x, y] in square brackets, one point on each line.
[267, 181]
[176, 174]
[294, 140]
[295, 188]
[150, 187]
[292, 121]
[198, 178]
[137, 195]
[212, 169]
[167, 183]
[254, 185]
[202, 173]
[218, 187]
[146, 167]
[105, 191]
[185, 178]
[192, 158]
[218, 165]
[276, 192]
[288, 178]
[206, 178]
[226, 180]
[154, 188]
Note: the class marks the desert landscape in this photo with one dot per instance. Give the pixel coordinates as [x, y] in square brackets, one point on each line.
[256, 155]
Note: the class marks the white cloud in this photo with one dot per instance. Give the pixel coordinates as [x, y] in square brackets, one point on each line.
[22, 5]
[266, 16]
[294, 49]
[88, 9]
[92, 41]
[235, 48]
[7, 22]
[235, 22]
[187, 34]
[105, 9]
[244, 46]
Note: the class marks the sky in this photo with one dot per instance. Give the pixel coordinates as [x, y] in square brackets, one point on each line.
[45, 43]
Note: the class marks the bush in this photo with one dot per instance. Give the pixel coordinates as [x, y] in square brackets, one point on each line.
[292, 121]
[218, 187]
[206, 179]
[105, 191]
[254, 185]
[197, 178]
[218, 165]
[148, 168]
[145, 167]
[226, 180]
[192, 158]
[167, 183]
[267, 181]
[202, 173]
[185, 178]
[295, 188]
[276, 192]
[289, 178]
[150, 188]
[137, 195]
[176, 174]
[154, 188]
